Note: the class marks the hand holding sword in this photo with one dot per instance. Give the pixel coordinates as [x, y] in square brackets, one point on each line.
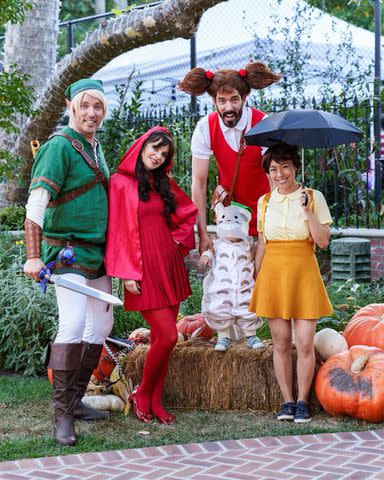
[46, 276]
[32, 268]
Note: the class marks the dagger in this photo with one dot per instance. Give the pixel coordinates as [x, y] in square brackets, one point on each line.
[46, 276]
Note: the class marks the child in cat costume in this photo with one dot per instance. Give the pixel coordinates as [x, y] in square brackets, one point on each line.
[228, 286]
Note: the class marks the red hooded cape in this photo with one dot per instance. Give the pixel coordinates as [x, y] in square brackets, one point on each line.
[123, 257]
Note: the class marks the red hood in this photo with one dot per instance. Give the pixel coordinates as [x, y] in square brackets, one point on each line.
[129, 159]
[123, 253]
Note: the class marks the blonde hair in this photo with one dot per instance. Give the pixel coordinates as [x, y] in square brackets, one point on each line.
[78, 98]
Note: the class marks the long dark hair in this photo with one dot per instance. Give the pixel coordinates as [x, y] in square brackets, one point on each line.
[161, 182]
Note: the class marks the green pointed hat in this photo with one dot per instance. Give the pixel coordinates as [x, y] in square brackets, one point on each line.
[83, 85]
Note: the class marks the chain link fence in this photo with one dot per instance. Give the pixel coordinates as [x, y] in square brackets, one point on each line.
[316, 54]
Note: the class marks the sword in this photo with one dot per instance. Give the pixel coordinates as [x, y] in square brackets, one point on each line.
[46, 276]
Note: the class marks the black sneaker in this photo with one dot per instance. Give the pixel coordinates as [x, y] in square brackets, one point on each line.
[302, 414]
[287, 411]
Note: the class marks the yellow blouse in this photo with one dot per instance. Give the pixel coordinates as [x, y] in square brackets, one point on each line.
[284, 216]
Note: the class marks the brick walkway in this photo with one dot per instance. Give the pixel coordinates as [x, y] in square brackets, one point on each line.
[330, 456]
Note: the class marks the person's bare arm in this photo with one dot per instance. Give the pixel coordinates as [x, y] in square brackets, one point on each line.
[320, 233]
[200, 169]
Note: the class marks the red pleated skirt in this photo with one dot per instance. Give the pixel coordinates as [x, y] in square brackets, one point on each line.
[165, 281]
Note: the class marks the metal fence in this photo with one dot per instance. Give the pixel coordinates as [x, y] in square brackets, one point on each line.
[345, 175]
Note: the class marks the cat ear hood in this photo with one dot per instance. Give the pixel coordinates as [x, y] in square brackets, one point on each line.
[233, 221]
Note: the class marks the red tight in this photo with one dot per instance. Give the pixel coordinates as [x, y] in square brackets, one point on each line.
[163, 339]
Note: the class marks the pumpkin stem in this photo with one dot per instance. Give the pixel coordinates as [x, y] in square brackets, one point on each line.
[359, 363]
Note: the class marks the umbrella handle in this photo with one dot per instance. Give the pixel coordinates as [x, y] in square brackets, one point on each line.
[306, 195]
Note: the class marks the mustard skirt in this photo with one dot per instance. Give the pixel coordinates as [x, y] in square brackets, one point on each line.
[289, 283]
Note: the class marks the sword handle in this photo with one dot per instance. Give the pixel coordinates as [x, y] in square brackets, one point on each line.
[45, 275]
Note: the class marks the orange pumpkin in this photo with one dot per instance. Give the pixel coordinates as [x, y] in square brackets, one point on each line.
[352, 383]
[366, 327]
[194, 323]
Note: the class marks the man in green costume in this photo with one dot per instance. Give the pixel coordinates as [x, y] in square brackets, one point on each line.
[65, 223]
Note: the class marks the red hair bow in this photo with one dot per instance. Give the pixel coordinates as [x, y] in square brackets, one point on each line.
[209, 74]
[242, 73]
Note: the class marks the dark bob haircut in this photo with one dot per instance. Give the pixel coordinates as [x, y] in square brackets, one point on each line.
[281, 152]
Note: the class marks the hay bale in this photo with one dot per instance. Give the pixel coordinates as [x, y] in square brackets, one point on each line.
[201, 378]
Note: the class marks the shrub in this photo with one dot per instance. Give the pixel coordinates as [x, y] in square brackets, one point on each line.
[27, 322]
[192, 305]
[27, 317]
[348, 297]
[126, 322]
[12, 217]
[12, 251]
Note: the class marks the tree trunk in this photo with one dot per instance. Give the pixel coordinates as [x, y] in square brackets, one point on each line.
[32, 44]
[171, 19]
[32, 47]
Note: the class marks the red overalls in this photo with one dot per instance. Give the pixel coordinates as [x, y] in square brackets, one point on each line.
[252, 182]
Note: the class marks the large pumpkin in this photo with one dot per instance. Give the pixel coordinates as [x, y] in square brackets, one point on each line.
[366, 327]
[352, 383]
[328, 342]
[194, 323]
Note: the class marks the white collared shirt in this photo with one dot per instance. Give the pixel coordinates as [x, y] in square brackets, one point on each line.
[201, 141]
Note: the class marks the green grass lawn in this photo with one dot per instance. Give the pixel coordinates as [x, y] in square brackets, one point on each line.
[26, 414]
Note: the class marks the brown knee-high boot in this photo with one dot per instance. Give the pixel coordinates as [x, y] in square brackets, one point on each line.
[89, 361]
[64, 360]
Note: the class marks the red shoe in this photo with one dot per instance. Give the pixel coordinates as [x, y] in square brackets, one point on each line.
[143, 417]
[168, 420]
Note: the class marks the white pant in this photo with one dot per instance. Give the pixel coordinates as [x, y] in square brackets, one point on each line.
[81, 317]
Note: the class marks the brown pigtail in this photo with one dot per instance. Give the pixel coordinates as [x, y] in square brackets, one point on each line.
[195, 82]
[259, 75]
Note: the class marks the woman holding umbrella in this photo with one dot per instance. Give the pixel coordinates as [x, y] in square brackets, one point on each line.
[288, 284]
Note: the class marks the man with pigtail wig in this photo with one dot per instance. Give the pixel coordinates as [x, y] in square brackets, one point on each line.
[220, 134]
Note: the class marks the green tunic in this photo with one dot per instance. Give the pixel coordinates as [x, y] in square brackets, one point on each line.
[59, 168]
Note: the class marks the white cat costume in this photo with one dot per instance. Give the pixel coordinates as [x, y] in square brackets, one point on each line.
[228, 286]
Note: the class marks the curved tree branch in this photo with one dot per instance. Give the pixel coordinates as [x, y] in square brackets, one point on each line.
[168, 20]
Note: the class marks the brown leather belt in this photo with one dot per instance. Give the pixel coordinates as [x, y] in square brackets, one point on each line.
[56, 242]
[92, 271]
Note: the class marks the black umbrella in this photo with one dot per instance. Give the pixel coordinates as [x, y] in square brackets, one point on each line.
[304, 128]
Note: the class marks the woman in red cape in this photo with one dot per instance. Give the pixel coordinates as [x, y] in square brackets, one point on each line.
[150, 229]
